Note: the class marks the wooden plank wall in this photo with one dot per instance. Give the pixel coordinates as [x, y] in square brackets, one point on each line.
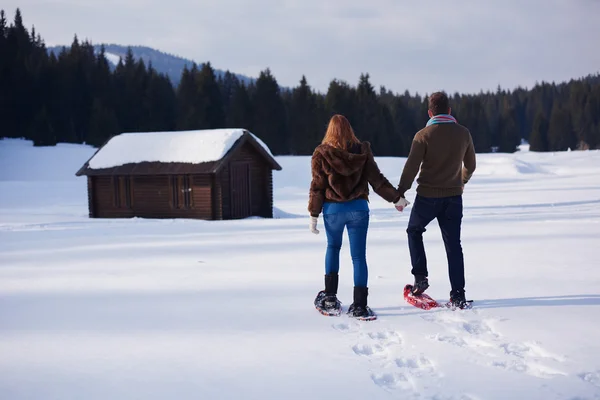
[267, 211]
[90, 196]
[259, 185]
[104, 200]
[152, 198]
[224, 184]
[217, 197]
[202, 196]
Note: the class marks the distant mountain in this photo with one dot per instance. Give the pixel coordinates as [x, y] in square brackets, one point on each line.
[164, 63]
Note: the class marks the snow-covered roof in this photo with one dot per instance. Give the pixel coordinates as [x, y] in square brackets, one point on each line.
[168, 147]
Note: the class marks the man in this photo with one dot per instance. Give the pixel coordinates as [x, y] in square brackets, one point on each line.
[439, 150]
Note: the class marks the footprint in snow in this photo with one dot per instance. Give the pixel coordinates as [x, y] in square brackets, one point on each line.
[392, 381]
[346, 327]
[474, 333]
[368, 349]
[480, 336]
[528, 367]
[416, 366]
[390, 372]
[479, 327]
[530, 350]
[389, 337]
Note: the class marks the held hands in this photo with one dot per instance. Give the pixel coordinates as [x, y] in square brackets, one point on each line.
[401, 204]
[313, 225]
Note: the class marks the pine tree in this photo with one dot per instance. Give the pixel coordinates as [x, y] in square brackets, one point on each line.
[341, 99]
[102, 76]
[508, 133]
[240, 113]
[405, 127]
[129, 59]
[83, 63]
[186, 95]
[478, 126]
[19, 82]
[304, 120]
[269, 114]
[4, 72]
[3, 28]
[62, 94]
[422, 115]
[18, 37]
[5, 87]
[160, 103]
[131, 81]
[368, 118]
[591, 118]
[492, 115]
[561, 135]
[227, 83]
[103, 124]
[19, 19]
[41, 89]
[388, 134]
[41, 130]
[538, 139]
[208, 103]
[578, 94]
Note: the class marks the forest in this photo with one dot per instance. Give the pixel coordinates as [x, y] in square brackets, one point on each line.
[76, 97]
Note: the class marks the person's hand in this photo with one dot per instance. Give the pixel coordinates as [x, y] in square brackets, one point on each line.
[401, 204]
[313, 225]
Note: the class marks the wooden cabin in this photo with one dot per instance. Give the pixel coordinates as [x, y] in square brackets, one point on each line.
[210, 174]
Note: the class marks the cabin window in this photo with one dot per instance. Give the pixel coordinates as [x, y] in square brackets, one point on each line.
[174, 192]
[127, 185]
[187, 192]
[181, 192]
[122, 191]
[116, 192]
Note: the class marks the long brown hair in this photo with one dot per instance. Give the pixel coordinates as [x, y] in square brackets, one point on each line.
[340, 133]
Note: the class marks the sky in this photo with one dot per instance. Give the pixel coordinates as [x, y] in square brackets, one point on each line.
[457, 46]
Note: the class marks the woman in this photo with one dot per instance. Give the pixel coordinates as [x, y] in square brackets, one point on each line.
[342, 169]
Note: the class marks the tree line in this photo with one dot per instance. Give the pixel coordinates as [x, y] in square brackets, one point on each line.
[76, 97]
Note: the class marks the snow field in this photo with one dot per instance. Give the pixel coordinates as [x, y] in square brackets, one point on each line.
[158, 309]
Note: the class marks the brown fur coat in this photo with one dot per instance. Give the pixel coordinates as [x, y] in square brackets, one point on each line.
[339, 176]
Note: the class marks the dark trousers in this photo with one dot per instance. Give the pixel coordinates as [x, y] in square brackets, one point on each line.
[448, 211]
[357, 223]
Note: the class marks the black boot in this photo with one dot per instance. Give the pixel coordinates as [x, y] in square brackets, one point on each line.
[458, 300]
[359, 308]
[331, 284]
[421, 285]
[326, 301]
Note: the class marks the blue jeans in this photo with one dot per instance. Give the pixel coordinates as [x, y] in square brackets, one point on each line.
[357, 223]
[448, 211]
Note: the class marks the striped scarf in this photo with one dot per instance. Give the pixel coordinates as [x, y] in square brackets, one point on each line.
[441, 119]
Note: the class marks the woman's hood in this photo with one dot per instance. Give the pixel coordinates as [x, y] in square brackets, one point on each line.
[345, 162]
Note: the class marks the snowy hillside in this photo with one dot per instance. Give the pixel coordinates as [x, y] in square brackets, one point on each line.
[113, 58]
[185, 309]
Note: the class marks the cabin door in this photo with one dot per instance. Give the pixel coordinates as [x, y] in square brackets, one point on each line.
[239, 178]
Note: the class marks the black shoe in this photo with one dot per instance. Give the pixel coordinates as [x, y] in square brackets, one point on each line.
[420, 286]
[458, 300]
[361, 312]
[328, 304]
[359, 308]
